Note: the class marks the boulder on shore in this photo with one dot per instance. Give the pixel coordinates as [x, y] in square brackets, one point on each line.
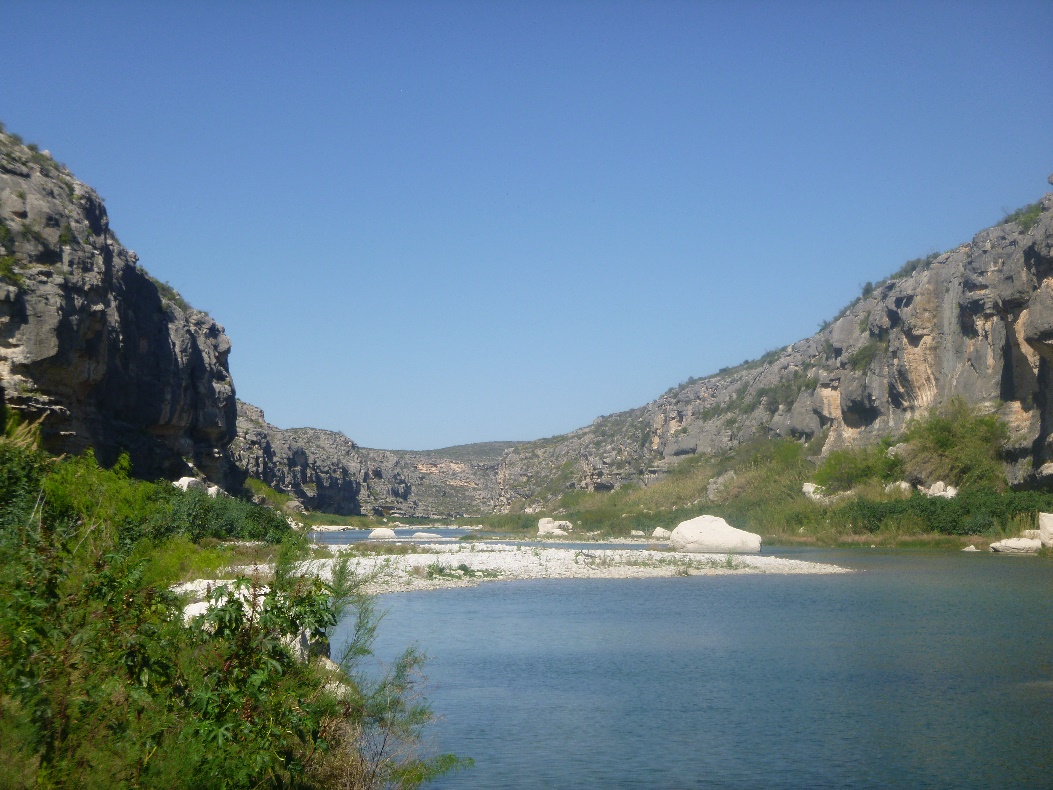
[1045, 529]
[426, 536]
[548, 526]
[713, 535]
[189, 484]
[1017, 546]
[382, 533]
[661, 534]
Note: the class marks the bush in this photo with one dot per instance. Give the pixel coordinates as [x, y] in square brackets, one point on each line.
[957, 444]
[103, 684]
[972, 512]
[843, 470]
[1026, 217]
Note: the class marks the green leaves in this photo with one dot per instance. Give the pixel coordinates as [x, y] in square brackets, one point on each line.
[103, 683]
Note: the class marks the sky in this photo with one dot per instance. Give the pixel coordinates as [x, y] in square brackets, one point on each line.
[433, 223]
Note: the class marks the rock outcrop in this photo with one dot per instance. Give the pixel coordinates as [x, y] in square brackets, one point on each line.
[326, 471]
[109, 358]
[974, 322]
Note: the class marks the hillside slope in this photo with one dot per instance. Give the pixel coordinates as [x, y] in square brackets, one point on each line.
[108, 357]
[975, 322]
[328, 472]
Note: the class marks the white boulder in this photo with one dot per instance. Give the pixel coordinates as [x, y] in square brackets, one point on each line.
[548, 526]
[637, 533]
[713, 535]
[900, 486]
[426, 536]
[382, 533]
[1045, 529]
[1017, 546]
[813, 492]
[970, 548]
[661, 534]
[189, 484]
[939, 489]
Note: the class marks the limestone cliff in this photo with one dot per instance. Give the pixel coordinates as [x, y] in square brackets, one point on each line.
[975, 322]
[109, 358]
[328, 472]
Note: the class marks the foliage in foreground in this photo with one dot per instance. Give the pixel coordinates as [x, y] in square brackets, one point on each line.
[104, 684]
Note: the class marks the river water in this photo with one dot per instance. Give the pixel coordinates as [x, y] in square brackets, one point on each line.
[924, 669]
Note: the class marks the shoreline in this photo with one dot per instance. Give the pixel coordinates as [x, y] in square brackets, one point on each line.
[444, 566]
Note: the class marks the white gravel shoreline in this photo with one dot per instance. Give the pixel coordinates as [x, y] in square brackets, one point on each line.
[441, 565]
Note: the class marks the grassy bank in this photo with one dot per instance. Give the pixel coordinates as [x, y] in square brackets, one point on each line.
[758, 487]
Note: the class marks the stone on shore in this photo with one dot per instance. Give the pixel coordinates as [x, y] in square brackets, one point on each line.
[382, 533]
[1045, 529]
[970, 548]
[661, 534]
[548, 526]
[426, 536]
[1017, 546]
[713, 535]
[189, 484]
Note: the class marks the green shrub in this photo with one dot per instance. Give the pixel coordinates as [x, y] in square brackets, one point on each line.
[958, 445]
[864, 357]
[843, 470]
[973, 512]
[8, 271]
[913, 265]
[1026, 217]
[103, 683]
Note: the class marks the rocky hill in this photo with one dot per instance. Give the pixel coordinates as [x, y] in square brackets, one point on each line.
[109, 358]
[328, 472]
[975, 322]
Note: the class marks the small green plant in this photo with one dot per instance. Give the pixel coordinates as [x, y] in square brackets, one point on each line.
[8, 272]
[7, 239]
[913, 265]
[170, 294]
[864, 357]
[66, 237]
[1026, 217]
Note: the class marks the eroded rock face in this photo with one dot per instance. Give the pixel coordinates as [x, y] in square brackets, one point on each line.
[974, 322]
[328, 472]
[108, 357]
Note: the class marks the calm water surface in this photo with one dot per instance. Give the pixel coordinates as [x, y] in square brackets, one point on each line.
[921, 670]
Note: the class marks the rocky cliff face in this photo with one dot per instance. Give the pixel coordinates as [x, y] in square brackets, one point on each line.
[975, 322]
[328, 472]
[109, 358]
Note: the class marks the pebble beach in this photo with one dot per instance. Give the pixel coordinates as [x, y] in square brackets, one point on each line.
[439, 566]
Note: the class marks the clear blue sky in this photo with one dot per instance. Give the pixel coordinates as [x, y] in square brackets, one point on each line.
[430, 223]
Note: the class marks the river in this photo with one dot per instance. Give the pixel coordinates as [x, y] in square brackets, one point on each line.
[923, 669]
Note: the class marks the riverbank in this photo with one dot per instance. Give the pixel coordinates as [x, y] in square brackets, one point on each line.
[437, 566]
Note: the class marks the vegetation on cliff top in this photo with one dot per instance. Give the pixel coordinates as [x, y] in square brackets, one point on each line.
[105, 683]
